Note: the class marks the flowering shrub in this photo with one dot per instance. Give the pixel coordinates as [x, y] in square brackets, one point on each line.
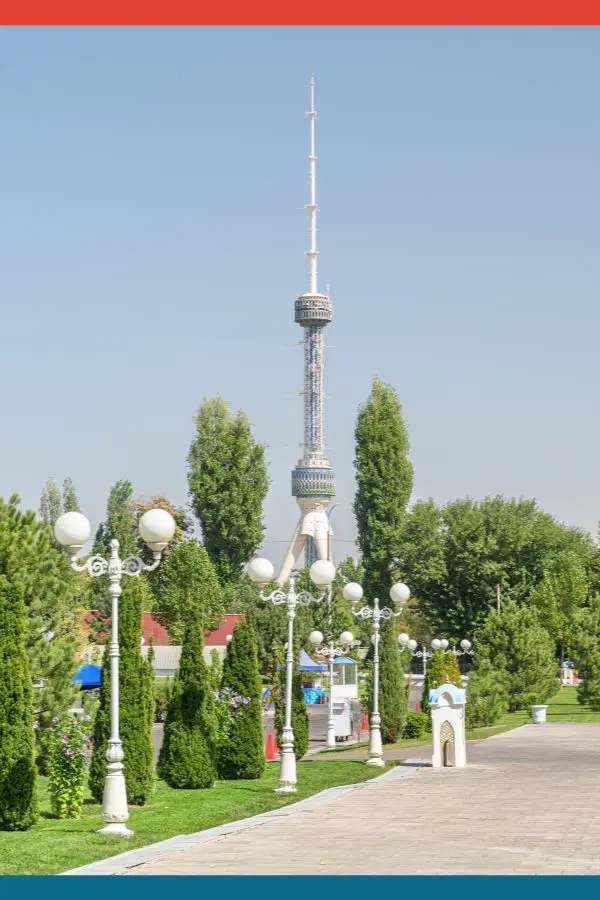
[69, 748]
[227, 705]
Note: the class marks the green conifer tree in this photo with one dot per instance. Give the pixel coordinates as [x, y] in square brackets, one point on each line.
[243, 755]
[187, 756]
[18, 774]
[393, 705]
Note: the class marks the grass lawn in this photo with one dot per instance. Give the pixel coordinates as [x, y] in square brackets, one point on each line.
[53, 846]
[563, 707]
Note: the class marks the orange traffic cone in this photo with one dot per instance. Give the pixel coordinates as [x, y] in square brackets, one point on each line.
[270, 751]
[365, 723]
[417, 707]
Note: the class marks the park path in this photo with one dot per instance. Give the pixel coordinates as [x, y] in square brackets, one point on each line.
[527, 803]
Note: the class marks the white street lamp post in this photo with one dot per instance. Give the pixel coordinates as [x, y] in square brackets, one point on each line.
[408, 643]
[322, 573]
[330, 652]
[399, 594]
[72, 530]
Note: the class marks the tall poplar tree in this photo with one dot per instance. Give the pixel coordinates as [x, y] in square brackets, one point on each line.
[50, 503]
[384, 476]
[228, 482]
[70, 503]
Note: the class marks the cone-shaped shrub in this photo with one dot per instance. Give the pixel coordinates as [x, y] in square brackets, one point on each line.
[443, 668]
[187, 756]
[18, 773]
[242, 755]
[392, 690]
[136, 702]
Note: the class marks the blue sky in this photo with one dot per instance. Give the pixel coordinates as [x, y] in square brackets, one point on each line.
[152, 238]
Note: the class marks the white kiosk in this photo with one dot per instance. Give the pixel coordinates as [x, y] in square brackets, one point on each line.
[447, 707]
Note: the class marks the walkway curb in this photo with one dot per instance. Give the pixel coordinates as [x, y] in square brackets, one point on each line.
[115, 865]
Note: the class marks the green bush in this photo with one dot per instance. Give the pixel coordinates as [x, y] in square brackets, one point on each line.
[487, 696]
[299, 718]
[416, 725]
[187, 756]
[68, 750]
[18, 773]
[242, 754]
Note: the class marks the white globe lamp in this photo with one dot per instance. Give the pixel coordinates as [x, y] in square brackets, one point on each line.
[157, 527]
[403, 639]
[352, 592]
[436, 644]
[322, 573]
[444, 644]
[260, 570]
[466, 645]
[399, 594]
[346, 637]
[412, 645]
[72, 530]
[316, 638]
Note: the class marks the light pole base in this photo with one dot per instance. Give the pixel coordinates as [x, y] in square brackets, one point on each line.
[116, 828]
[375, 761]
[285, 789]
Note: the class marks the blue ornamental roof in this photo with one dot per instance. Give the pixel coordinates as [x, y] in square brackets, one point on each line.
[345, 659]
[88, 677]
[457, 694]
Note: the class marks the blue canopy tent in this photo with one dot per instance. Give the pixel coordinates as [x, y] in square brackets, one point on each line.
[88, 677]
[308, 665]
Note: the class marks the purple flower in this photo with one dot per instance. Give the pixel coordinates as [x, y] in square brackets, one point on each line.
[83, 752]
[55, 719]
[65, 739]
[69, 752]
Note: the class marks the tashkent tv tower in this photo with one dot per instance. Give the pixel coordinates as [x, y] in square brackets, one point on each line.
[313, 479]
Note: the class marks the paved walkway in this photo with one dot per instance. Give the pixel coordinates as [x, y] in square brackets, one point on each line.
[526, 804]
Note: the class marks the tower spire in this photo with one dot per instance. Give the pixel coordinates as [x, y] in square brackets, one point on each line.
[312, 253]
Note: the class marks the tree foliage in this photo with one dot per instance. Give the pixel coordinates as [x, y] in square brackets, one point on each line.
[487, 695]
[520, 648]
[453, 558]
[384, 476]
[187, 756]
[228, 482]
[187, 578]
[585, 645]
[18, 774]
[70, 502]
[50, 503]
[243, 755]
[560, 594]
[29, 558]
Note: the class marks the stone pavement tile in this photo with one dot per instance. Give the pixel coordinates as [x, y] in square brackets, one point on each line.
[496, 816]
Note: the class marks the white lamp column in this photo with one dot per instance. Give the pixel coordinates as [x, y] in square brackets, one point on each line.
[399, 594]
[72, 530]
[330, 652]
[322, 573]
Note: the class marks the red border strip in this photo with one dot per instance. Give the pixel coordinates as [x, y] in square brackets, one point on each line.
[277, 12]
